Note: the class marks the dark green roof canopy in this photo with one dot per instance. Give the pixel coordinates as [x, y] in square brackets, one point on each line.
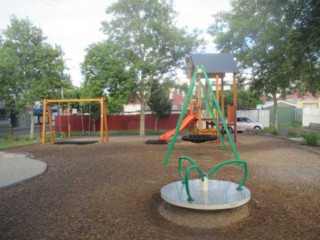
[213, 62]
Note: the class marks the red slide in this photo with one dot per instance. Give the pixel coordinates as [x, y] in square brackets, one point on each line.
[184, 124]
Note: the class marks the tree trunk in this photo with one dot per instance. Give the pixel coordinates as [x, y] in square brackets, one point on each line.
[275, 112]
[156, 123]
[31, 124]
[142, 117]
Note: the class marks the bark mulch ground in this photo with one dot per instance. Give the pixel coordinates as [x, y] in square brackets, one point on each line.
[112, 191]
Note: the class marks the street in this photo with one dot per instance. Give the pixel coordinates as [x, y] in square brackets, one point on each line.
[5, 131]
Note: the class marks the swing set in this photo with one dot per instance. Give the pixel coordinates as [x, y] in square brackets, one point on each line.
[47, 114]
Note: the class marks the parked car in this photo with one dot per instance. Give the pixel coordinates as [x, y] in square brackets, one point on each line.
[244, 123]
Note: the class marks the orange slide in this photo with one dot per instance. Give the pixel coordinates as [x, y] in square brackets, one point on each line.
[184, 124]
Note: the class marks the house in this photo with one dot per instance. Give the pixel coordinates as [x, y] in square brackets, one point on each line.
[308, 107]
[177, 96]
[286, 112]
[305, 101]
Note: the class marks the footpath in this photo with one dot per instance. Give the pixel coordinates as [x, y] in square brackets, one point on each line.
[18, 167]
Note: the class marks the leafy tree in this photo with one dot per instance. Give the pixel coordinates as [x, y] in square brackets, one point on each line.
[305, 42]
[107, 75]
[245, 99]
[30, 68]
[182, 87]
[159, 101]
[262, 36]
[149, 43]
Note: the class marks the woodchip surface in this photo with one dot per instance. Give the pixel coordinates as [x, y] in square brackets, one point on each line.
[112, 191]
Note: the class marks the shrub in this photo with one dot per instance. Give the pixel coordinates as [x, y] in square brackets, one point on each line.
[62, 135]
[293, 134]
[311, 139]
[297, 124]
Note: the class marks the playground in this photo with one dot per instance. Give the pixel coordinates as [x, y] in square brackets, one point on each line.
[112, 191]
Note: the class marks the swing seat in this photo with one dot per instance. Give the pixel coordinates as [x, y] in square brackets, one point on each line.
[198, 138]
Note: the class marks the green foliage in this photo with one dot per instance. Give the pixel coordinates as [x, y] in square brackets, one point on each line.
[297, 124]
[30, 68]
[255, 34]
[271, 130]
[245, 99]
[105, 71]
[183, 87]
[17, 142]
[293, 134]
[62, 135]
[149, 43]
[311, 139]
[275, 40]
[159, 101]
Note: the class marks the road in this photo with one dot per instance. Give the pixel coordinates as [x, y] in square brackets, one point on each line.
[5, 131]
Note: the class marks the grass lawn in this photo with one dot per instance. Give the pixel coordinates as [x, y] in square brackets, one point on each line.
[18, 142]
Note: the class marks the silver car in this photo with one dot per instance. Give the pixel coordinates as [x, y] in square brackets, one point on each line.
[244, 123]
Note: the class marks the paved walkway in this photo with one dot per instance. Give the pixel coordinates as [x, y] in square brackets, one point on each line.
[18, 167]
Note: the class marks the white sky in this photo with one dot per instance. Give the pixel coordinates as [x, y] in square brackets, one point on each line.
[75, 24]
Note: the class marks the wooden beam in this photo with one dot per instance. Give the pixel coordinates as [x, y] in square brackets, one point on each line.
[235, 103]
[105, 119]
[73, 100]
[50, 124]
[44, 120]
[218, 97]
[103, 115]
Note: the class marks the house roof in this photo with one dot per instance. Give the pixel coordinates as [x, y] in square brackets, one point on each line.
[269, 104]
[177, 99]
[306, 96]
[214, 62]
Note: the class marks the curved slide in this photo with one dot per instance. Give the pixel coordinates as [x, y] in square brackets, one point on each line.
[184, 124]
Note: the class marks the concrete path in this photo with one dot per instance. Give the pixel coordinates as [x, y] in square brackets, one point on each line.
[18, 167]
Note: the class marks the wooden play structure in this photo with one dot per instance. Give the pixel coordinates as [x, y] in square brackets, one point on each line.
[47, 113]
[216, 67]
[206, 193]
[204, 126]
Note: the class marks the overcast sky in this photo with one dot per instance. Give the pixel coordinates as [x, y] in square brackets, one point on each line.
[75, 24]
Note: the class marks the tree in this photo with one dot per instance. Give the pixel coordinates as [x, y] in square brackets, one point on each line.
[31, 69]
[159, 101]
[245, 99]
[106, 74]
[149, 43]
[262, 36]
[306, 43]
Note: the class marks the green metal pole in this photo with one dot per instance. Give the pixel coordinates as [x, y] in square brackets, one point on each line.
[233, 147]
[213, 116]
[183, 112]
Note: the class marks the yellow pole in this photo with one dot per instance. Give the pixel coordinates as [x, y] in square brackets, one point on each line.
[69, 130]
[222, 97]
[235, 90]
[101, 120]
[105, 118]
[44, 120]
[235, 104]
[199, 106]
[50, 124]
[218, 98]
